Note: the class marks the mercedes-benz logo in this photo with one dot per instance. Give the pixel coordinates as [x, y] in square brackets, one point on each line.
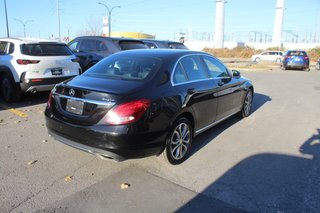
[72, 92]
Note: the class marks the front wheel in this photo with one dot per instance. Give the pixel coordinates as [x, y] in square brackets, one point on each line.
[178, 142]
[257, 59]
[247, 104]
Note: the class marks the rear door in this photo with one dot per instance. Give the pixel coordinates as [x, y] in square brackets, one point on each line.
[192, 80]
[229, 93]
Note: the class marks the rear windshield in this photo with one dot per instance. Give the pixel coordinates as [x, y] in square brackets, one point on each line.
[297, 53]
[45, 49]
[125, 68]
[177, 46]
[129, 45]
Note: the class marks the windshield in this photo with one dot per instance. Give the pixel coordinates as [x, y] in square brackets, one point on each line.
[125, 68]
[45, 49]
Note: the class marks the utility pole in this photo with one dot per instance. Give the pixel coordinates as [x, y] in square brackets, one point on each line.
[58, 19]
[5, 8]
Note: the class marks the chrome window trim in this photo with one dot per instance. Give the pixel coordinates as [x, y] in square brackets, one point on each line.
[207, 79]
[101, 104]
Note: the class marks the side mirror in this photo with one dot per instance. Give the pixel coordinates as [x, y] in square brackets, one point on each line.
[236, 74]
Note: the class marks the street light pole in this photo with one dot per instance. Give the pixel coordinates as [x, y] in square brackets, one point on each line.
[109, 15]
[5, 8]
[58, 19]
[24, 25]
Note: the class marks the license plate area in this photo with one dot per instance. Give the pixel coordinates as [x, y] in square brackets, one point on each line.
[56, 71]
[74, 106]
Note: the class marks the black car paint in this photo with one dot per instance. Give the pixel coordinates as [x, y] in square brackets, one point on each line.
[203, 102]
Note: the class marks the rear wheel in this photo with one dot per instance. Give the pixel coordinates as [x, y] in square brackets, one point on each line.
[179, 142]
[8, 90]
[318, 66]
[247, 104]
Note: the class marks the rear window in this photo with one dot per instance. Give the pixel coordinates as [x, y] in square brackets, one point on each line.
[45, 49]
[129, 45]
[125, 68]
[177, 46]
[297, 53]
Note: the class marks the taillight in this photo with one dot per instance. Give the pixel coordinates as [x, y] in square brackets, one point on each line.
[306, 58]
[26, 62]
[127, 112]
[50, 100]
[75, 60]
[37, 80]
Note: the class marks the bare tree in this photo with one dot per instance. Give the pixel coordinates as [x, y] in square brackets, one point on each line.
[93, 27]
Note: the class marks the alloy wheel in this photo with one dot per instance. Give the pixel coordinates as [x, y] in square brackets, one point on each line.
[247, 103]
[180, 141]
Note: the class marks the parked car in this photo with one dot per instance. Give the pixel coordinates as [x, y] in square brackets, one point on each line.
[295, 59]
[318, 64]
[91, 49]
[154, 44]
[138, 103]
[268, 56]
[31, 65]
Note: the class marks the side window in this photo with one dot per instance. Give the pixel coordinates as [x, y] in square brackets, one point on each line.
[193, 68]
[11, 48]
[87, 45]
[179, 75]
[73, 45]
[3, 47]
[101, 46]
[215, 67]
[265, 53]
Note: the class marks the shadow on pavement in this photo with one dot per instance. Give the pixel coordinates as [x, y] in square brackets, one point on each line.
[271, 182]
[28, 99]
[204, 138]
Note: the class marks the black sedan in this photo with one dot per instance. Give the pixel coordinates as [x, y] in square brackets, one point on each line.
[139, 103]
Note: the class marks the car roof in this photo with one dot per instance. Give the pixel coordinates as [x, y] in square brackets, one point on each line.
[161, 53]
[29, 40]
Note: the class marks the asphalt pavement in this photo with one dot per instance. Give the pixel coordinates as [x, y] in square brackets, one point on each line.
[268, 162]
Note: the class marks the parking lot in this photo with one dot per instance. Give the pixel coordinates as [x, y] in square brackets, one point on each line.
[268, 162]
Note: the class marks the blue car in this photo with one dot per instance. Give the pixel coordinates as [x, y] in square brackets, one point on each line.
[295, 59]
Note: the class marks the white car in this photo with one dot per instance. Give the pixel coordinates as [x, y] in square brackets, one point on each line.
[268, 56]
[30, 65]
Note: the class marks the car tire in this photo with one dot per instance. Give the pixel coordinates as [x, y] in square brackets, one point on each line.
[8, 90]
[247, 104]
[284, 68]
[318, 66]
[178, 143]
[257, 59]
[278, 60]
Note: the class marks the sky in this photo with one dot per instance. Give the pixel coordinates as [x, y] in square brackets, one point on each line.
[165, 18]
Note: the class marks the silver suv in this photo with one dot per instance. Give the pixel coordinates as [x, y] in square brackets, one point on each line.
[29, 65]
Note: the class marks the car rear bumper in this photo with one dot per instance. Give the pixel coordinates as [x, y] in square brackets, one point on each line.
[41, 84]
[111, 142]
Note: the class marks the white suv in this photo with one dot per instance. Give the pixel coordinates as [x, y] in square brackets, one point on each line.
[29, 65]
[268, 56]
